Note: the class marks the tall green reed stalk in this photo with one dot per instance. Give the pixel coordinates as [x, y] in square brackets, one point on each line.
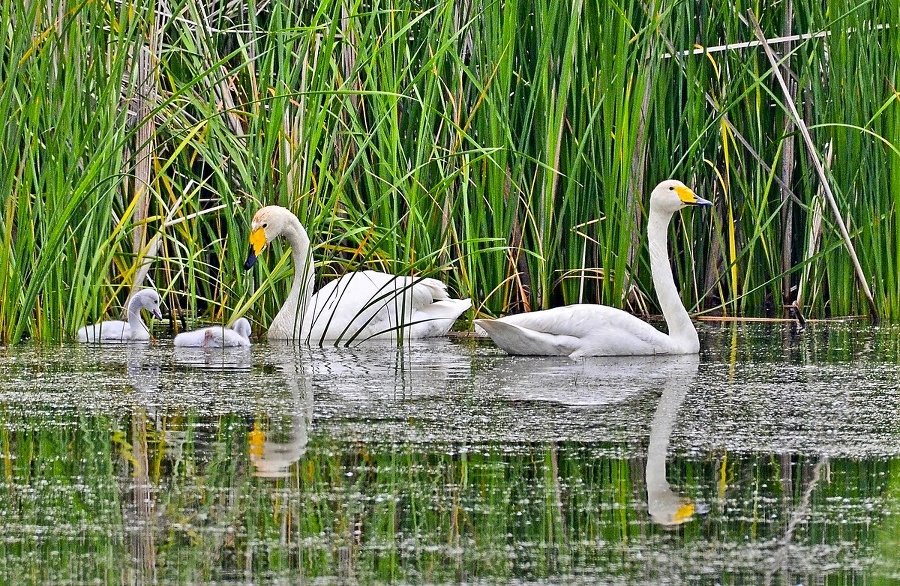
[506, 148]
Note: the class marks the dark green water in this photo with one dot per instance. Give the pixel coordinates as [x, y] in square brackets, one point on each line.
[773, 458]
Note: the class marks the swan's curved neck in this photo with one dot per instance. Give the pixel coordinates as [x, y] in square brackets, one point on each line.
[291, 313]
[681, 329]
[135, 321]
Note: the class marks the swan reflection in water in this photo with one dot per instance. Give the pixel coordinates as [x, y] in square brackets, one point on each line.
[221, 358]
[664, 505]
[604, 383]
[271, 458]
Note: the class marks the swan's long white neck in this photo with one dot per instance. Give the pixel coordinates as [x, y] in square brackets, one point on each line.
[294, 307]
[681, 329]
[135, 321]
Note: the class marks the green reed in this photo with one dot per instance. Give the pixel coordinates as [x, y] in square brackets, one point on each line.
[507, 148]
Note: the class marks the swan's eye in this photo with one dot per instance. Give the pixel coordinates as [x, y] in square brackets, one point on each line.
[671, 188]
[265, 224]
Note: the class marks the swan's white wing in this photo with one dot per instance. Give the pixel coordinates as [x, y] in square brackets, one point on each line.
[436, 319]
[577, 330]
[520, 340]
[113, 331]
[194, 339]
[370, 304]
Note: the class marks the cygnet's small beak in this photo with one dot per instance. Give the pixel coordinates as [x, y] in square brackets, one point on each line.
[155, 312]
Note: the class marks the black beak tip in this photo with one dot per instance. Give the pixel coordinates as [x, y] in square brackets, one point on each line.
[250, 262]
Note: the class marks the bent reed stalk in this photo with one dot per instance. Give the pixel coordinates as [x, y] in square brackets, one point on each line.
[492, 145]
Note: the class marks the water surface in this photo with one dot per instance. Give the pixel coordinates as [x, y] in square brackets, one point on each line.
[773, 457]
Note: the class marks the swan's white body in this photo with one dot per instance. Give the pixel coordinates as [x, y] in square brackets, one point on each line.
[133, 330]
[358, 306]
[599, 330]
[238, 336]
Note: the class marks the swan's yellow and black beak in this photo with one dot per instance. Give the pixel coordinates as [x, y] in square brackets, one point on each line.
[684, 512]
[257, 243]
[689, 198]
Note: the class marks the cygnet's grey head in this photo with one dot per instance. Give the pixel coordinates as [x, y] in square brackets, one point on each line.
[242, 327]
[148, 299]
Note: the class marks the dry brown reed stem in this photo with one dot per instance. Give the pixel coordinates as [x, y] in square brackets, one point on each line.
[815, 230]
[144, 141]
[787, 166]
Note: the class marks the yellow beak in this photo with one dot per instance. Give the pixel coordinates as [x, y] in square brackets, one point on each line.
[257, 243]
[690, 198]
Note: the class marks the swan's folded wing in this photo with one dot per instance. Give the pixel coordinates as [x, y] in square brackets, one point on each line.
[578, 321]
[371, 304]
[360, 305]
[113, 331]
[437, 318]
[583, 330]
[518, 340]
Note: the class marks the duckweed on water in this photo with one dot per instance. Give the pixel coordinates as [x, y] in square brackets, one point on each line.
[446, 461]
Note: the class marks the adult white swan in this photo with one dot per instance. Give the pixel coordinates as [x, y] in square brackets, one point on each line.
[237, 336]
[599, 330]
[133, 330]
[356, 307]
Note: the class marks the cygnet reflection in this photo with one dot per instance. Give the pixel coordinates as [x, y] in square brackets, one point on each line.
[236, 357]
[143, 370]
[273, 459]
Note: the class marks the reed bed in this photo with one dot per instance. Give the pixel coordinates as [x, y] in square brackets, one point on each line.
[505, 147]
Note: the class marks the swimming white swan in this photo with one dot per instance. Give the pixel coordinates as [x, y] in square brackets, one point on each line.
[356, 307]
[134, 330]
[599, 330]
[238, 336]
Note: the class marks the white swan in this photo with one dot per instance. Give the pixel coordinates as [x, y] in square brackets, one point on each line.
[599, 330]
[238, 336]
[134, 330]
[356, 307]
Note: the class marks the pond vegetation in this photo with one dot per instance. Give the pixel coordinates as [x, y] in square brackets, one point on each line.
[504, 147]
[447, 461]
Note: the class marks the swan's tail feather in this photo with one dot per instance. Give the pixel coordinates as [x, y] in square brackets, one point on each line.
[436, 319]
[437, 289]
[522, 341]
